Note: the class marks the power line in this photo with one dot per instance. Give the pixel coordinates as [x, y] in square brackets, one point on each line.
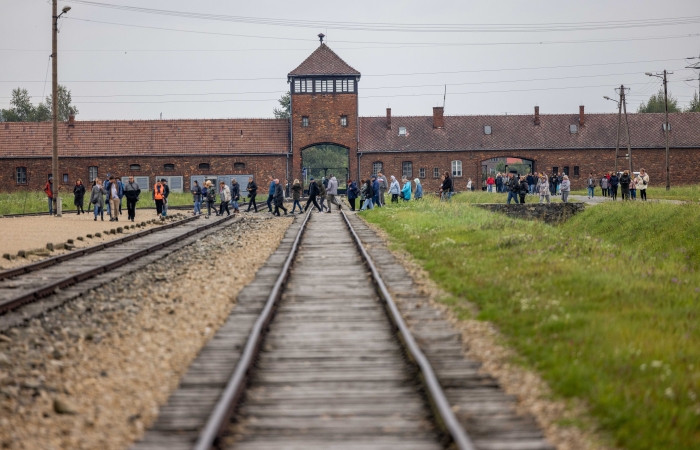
[401, 44]
[410, 27]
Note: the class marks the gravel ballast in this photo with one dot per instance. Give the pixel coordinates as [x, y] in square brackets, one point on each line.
[92, 373]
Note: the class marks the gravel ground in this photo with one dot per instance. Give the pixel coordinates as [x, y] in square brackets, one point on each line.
[92, 374]
[484, 343]
[34, 232]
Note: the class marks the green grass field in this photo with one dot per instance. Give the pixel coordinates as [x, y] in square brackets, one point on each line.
[689, 193]
[606, 307]
[32, 202]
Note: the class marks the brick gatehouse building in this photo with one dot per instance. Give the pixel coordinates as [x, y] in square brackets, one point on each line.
[324, 110]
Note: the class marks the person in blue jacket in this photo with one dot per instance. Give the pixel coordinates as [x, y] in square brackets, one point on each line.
[375, 190]
[406, 190]
[352, 193]
[419, 189]
[120, 192]
[270, 192]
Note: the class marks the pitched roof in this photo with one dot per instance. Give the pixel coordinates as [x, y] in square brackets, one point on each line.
[323, 61]
[147, 137]
[519, 132]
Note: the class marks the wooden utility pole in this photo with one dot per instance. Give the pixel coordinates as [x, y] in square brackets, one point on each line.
[666, 131]
[619, 123]
[54, 105]
[627, 125]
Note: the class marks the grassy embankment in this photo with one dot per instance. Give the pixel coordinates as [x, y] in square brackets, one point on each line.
[605, 307]
[689, 193]
[31, 202]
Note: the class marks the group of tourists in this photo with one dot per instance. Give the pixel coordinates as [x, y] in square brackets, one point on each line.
[628, 183]
[108, 193]
[374, 191]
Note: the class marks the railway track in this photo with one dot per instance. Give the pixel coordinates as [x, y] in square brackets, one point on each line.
[79, 270]
[315, 355]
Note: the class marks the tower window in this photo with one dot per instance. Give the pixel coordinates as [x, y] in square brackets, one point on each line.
[21, 175]
[305, 121]
[303, 85]
[324, 85]
[345, 85]
[343, 121]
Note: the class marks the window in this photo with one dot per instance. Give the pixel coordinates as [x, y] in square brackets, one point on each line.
[21, 175]
[402, 131]
[305, 121]
[566, 170]
[303, 85]
[456, 168]
[663, 126]
[324, 86]
[204, 166]
[343, 121]
[407, 169]
[436, 172]
[134, 166]
[239, 166]
[377, 167]
[143, 183]
[573, 129]
[169, 167]
[487, 129]
[174, 183]
[92, 173]
[577, 171]
[65, 178]
[555, 170]
[421, 172]
[345, 85]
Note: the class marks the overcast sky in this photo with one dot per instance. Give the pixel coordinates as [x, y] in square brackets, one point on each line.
[122, 64]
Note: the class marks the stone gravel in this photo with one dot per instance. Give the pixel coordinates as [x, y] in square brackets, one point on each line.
[93, 373]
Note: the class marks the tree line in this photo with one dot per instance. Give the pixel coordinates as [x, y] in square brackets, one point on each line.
[22, 110]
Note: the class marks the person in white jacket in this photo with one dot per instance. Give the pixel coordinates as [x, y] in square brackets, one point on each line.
[332, 192]
[225, 194]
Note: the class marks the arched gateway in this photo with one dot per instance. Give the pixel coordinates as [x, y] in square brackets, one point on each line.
[324, 111]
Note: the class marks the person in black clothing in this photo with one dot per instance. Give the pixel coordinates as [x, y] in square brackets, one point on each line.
[313, 193]
[446, 188]
[131, 192]
[524, 189]
[625, 181]
[252, 192]
[279, 199]
[79, 195]
[614, 181]
[553, 180]
[530, 180]
[513, 188]
[235, 195]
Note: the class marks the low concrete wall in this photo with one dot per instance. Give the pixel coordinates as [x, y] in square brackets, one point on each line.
[549, 213]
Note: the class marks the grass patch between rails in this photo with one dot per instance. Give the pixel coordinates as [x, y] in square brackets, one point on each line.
[606, 307]
[33, 201]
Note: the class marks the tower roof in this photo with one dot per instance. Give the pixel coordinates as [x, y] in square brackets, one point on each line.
[323, 61]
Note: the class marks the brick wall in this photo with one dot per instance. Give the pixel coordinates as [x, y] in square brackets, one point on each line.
[324, 112]
[186, 166]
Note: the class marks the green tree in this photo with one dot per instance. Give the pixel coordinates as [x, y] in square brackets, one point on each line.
[22, 110]
[284, 112]
[65, 108]
[694, 105]
[656, 104]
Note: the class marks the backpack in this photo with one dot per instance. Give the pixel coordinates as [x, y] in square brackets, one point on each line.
[211, 195]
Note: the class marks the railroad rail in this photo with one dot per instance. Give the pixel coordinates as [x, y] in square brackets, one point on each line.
[315, 354]
[33, 282]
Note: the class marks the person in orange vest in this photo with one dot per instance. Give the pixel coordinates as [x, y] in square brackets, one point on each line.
[159, 197]
[49, 193]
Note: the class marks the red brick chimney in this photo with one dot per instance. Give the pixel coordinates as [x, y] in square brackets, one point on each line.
[438, 117]
[537, 116]
[581, 116]
[388, 118]
[71, 120]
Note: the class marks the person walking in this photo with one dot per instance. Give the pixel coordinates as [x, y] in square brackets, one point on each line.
[394, 190]
[625, 181]
[591, 185]
[106, 185]
[332, 193]
[383, 187]
[120, 191]
[322, 193]
[270, 192]
[375, 189]
[553, 184]
[48, 190]
[296, 196]
[235, 195]
[211, 199]
[352, 194]
[565, 189]
[614, 181]
[166, 194]
[490, 182]
[196, 198]
[643, 184]
[79, 196]
[113, 200]
[252, 189]
[633, 187]
[406, 190]
[313, 193]
[543, 189]
[225, 195]
[446, 188]
[419, 189]
[513, 188]
[97, 199]
[604, 186]
[367, 195]
[279, 198]
[131, 192]
[530, 181]
[524, 189]
[158, 195]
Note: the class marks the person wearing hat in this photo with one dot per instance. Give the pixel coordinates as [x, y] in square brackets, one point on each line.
[48, 189]
[313, 193]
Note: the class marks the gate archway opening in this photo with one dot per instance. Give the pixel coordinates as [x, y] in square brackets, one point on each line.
[505, 165]
[322, 160]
